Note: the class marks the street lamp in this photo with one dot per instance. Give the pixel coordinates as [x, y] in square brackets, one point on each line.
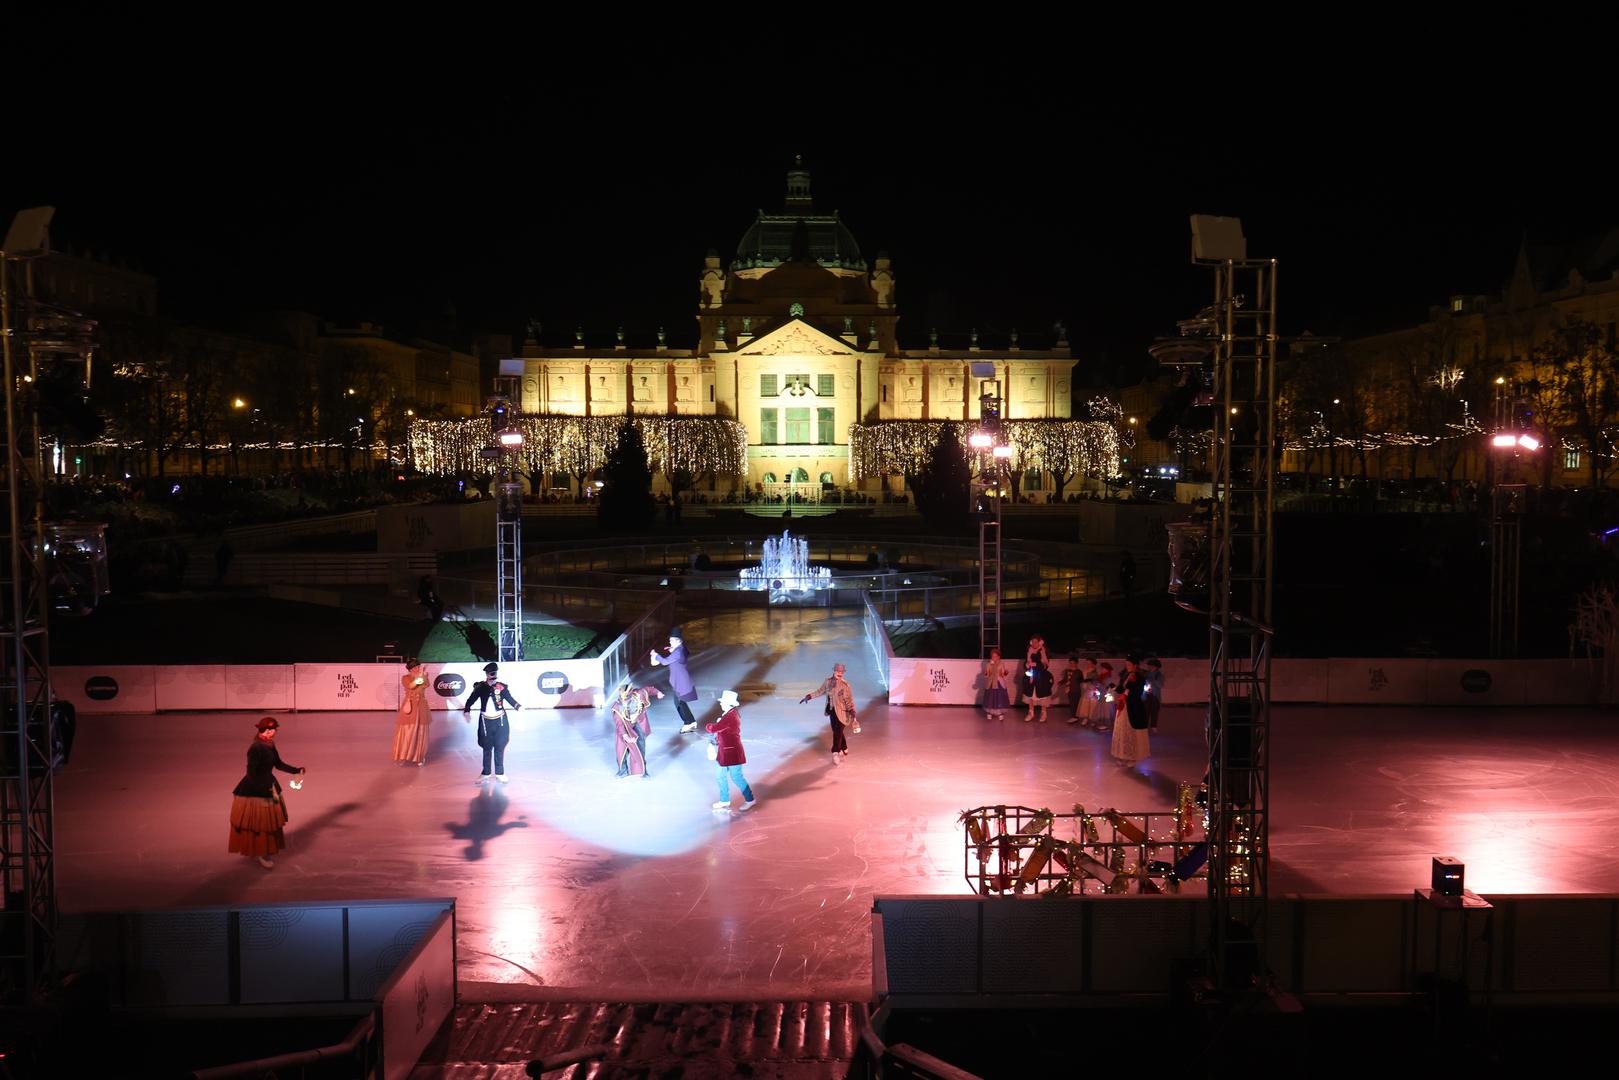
[238, 404]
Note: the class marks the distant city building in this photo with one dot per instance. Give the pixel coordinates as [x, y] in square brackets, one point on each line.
[797, 341]
[93, 284]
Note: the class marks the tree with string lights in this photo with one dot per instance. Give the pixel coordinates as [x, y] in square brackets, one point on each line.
[626, 496]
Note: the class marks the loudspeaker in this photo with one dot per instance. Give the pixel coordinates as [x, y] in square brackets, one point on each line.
[1447, 876]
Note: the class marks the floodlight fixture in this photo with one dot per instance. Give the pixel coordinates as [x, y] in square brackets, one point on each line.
[1503, 441]
[1003, 452]
[1218, 239]
[1528, 442]
[511, 438]
[979, 441]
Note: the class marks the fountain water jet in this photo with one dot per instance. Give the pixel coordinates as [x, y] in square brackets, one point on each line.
[785, 570]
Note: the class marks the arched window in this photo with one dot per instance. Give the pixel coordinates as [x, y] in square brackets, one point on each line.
[800, 476]
[826, 478]
[770, 478]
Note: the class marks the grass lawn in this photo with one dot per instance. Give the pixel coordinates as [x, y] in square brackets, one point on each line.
[223, 628]
[449, 641]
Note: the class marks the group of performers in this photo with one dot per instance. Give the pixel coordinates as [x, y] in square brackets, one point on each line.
[259, 810]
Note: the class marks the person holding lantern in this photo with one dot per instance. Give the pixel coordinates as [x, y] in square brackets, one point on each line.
[410, 729]
[258, 812]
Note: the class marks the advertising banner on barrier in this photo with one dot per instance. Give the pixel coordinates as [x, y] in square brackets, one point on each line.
[259, 686]
[113, 689]
[190, 686]
[417, 999]
[937, 682]
[1377, 681]
[1474, 682]
[346, 687]
[536, 684]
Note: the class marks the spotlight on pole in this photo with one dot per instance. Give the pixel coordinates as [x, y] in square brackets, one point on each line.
[979, 441]
[1528, 442]
[1003, 452]
[511, 438]
[1504, 441]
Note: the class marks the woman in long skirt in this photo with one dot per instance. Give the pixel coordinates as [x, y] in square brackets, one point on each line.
[410, 730]
[258, 812]
[1130, 729]
[996, 699]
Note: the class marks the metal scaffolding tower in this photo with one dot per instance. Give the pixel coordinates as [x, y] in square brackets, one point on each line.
[984, 500]
[36, 338]
[507, 452]
[1240, 634]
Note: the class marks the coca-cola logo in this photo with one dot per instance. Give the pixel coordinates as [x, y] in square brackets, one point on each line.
[449, 684]
[1477, 681]
[101, 688]
[552, 682]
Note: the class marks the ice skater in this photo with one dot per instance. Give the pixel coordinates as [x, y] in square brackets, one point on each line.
[727, 753]
[1130, 742]
[632, 725]
[258, 811]
[1153, 692]
[674, 659]
[996, 699]
[839, 709]
[490, 697]
[410, 729]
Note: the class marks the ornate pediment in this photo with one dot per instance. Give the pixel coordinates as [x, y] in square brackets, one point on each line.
[797, 339]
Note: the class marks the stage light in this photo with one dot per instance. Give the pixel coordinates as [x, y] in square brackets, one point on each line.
[511, 437]
[1504, 440]
[1003, 452]
[1500, 380]
[238, 404]
[1447, 876]
[1528, 442]
[980, 441]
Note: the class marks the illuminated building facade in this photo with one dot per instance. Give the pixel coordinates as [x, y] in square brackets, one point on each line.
[797, 342]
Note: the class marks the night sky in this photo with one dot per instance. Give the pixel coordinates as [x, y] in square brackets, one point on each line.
[385, 183]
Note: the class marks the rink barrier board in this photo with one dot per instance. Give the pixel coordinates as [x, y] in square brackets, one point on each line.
[1339, 681]
[360, 686]
[941, 951]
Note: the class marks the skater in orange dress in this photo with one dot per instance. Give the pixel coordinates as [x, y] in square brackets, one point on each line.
[258, 813]
[410, 730]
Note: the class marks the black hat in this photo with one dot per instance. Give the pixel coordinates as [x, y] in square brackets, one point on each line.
[490, 669]
[674, 631]
[1133, 659]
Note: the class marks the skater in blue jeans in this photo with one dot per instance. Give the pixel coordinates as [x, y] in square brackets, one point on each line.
[728, 755]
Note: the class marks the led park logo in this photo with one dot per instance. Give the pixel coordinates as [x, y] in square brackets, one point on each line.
[553, 682]
[449, 684]
[1477, 681]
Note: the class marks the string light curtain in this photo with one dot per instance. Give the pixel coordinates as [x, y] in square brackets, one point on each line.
[902, 447]
[579, 445]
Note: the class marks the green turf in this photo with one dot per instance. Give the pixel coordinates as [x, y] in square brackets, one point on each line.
[449, 641]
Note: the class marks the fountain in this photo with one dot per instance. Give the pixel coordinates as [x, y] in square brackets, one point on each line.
[785, 570]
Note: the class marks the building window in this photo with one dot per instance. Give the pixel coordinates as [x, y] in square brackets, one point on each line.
[798, 426]
[1457, 303]
[770, 478]
[710, 392]
[800, 476]
[885, 393]
[826, 480]
[798, 382]
[825, 428]
[824, 386]
[767, 386]
[767, 426]
[1031, 480]
[1571, 459]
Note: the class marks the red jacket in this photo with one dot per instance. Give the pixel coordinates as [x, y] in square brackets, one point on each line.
[727, 731]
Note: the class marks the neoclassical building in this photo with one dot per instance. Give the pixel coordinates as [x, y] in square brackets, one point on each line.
[797, 342]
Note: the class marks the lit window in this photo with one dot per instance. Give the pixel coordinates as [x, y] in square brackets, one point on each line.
[1571, 459]
[1457, 303]
[767, 386]
[823, 386]
[825, 427]
[798, 382]
[767, 426]
[798, 426]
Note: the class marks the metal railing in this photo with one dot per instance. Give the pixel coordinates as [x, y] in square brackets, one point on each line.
[257, 537]
[941, 601]
[894, 552]
[336, 568]
[358, 1055]
[882, 650]
[621, 658]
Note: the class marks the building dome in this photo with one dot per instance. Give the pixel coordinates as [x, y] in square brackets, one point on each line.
[798, 234]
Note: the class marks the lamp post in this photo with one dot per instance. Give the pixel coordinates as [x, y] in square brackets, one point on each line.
[1507, 505]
